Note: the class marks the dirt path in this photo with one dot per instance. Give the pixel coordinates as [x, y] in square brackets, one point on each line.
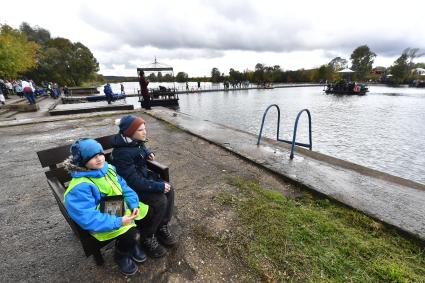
[38, 245]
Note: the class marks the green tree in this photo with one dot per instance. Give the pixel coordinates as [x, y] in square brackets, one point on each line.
[338, 63]
[37, 34]
[361, 61]
[66, 63]
[235, 76]
[182, 77]
[412, 54]
[168, 78]
[59, 59]
[17, 54]
[152, 77]
[215, 75]
[400, 69]
[259, 73]
[324, 73]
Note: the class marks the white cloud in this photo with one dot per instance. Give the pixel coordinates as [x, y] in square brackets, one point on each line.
[195, 36]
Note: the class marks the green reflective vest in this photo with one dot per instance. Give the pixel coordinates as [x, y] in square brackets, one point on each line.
[110, 187]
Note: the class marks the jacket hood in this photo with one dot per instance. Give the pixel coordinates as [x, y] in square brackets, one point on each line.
[121, 141]
[75, 171]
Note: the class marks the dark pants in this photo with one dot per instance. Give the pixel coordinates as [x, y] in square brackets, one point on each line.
[126, 242]
[147, 102]
[109, 98]
[161, 206]
[30, 97]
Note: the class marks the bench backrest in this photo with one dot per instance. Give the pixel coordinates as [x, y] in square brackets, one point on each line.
[53, 156]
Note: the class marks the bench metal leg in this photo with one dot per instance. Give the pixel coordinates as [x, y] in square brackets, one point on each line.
[98, 258]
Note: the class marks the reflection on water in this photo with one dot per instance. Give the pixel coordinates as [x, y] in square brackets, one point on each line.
[383, 129]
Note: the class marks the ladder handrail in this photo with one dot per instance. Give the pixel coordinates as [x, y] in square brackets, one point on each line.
[264, 118]
[293, 142]
[295, 132]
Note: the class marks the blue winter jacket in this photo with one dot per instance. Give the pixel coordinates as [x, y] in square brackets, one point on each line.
[130, 157]
[108, 90]
[82, 200]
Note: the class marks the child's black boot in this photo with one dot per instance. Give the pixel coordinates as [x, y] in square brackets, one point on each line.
[125, 263]
[138, 254]
[165, 236]
[152, 247]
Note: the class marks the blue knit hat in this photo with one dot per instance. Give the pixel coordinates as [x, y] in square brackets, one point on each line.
[129, 124]
[83, 150]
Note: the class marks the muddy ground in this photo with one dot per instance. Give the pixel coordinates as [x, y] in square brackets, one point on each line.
[37, 244]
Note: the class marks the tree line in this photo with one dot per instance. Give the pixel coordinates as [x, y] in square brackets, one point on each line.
[362, 59]
[31, 53]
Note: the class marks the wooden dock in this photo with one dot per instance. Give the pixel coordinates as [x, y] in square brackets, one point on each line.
[67, 109]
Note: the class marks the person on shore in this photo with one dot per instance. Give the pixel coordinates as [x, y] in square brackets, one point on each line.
[28, 90]
[122, 88]
[9, 87]
[187, 86]
[144, 91]
[130, 156]
[4, 89]
[18, 89]
[108, 93]
[56, 90]
[65, 90]
[2, 99]
[101, 202]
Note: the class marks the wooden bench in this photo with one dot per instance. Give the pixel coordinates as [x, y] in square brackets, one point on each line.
[58, 179]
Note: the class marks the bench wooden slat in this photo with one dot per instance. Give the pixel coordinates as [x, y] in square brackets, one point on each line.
[60, 174]
[53, 156]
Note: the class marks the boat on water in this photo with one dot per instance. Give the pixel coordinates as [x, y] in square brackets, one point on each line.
[344, 87]
[417, 83]
[103, 97]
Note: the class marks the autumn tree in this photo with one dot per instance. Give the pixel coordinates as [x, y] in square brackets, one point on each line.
[17, 54]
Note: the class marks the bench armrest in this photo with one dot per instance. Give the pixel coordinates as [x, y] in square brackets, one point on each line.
[159, 168]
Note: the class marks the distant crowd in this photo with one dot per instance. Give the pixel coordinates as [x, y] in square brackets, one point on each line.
[29, 90]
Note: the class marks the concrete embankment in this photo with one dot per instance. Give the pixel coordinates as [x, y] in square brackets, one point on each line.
[393, 200]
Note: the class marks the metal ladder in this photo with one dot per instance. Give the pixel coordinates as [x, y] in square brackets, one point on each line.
[293, 142]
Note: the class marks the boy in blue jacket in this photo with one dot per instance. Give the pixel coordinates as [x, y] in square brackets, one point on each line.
[130, 156]
[93, 183]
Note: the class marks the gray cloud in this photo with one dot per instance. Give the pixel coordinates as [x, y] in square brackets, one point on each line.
[200, 34]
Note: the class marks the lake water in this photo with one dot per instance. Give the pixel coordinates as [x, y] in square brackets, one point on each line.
[384, 129]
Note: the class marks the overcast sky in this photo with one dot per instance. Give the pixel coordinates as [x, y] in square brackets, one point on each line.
[196, 35]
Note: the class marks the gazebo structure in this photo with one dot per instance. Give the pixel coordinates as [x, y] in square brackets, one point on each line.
[162, 95]
[347, 72]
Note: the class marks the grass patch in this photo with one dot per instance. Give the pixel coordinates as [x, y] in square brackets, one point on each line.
[313, 239]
